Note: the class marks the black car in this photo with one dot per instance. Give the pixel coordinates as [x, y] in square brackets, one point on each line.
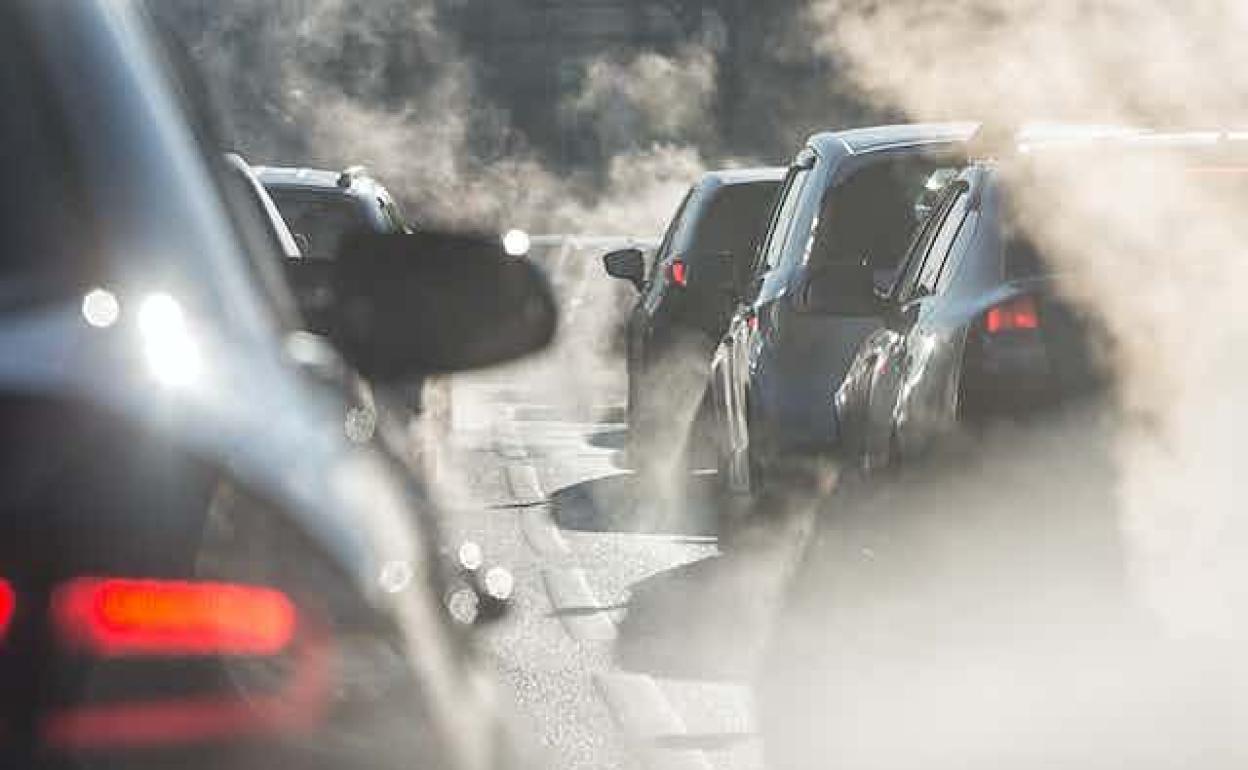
[975, 329]
[850, 200]
[204, 560]
[687, 298]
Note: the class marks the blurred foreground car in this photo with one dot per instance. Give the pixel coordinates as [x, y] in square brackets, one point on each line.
[850, 201]
[686, 300]
[203, 562]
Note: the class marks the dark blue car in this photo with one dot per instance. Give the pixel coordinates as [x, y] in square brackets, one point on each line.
[847, 210]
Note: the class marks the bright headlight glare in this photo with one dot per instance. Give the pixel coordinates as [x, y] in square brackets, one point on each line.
[517, 243]
[170, 348]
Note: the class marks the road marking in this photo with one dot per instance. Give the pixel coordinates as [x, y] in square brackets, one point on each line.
[524, 485]
[577, 607]
[648, 719]
[506, 438]
[543, 536]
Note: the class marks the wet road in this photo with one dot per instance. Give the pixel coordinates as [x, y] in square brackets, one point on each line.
[615, 651]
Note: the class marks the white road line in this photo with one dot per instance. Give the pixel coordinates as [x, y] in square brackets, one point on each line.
[645, 715]
[543, 536]
[577, 607]
[525, 487]
[506, 438]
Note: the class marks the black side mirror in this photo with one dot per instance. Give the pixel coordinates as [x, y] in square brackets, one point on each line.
[846, 290]
[426, 303]
[627, 265]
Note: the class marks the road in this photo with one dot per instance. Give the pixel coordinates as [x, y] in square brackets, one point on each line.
[627, 643]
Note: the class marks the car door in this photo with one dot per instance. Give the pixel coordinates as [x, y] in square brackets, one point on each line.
[898, 350]
[640, 321]
[740, 344]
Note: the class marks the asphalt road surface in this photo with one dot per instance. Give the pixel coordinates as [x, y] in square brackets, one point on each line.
[628, 643]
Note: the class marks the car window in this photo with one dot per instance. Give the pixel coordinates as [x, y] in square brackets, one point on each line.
[782, 222]
[393, 215]
[942, 243]
[734, 221]
[919, 246]
[669, 237]
[322, 219]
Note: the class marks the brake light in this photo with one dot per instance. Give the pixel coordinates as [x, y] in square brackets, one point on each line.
[118, 617]
[751, 321]
[8, 604]
[1017, 314]
[678, 272]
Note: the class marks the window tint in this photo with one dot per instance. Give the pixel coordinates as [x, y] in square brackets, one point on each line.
[782, 221]
[393, 215]
[673, 227]
[734, 221]
[871, 217]
[322, 219]
[938, 252]
[920, 244]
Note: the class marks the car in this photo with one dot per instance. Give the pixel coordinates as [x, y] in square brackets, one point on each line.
[975, 329]
[206, 561]
[685, 302]
[850, 199]
[975, 581]
[321, 206]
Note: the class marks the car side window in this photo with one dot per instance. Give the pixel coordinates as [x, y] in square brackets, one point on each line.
[920, 245]
[957, 252]
[942, 243]
[664, 249]
[778, 234]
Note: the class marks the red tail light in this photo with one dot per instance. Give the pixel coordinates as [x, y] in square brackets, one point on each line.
[1015, 315]
[116, 617]
[752, 321]
[678, 272]
[8, 604]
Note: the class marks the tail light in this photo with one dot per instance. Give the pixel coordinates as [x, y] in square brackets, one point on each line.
[122, 625]
[115, 617]
[1018, 314]
[678, 272]
[8, 604]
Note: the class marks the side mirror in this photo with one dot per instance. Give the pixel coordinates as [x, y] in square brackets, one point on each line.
[846, 290]
[627, 265]
[427, 303]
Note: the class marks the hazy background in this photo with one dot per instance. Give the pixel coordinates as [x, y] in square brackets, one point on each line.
[532, 112]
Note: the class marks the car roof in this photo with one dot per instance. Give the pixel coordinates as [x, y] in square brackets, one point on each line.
[319, 179]
[734, 176]
[858, 141]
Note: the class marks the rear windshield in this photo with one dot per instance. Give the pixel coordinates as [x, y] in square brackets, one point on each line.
[734, 220]
[870, 218]
[322, 219]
